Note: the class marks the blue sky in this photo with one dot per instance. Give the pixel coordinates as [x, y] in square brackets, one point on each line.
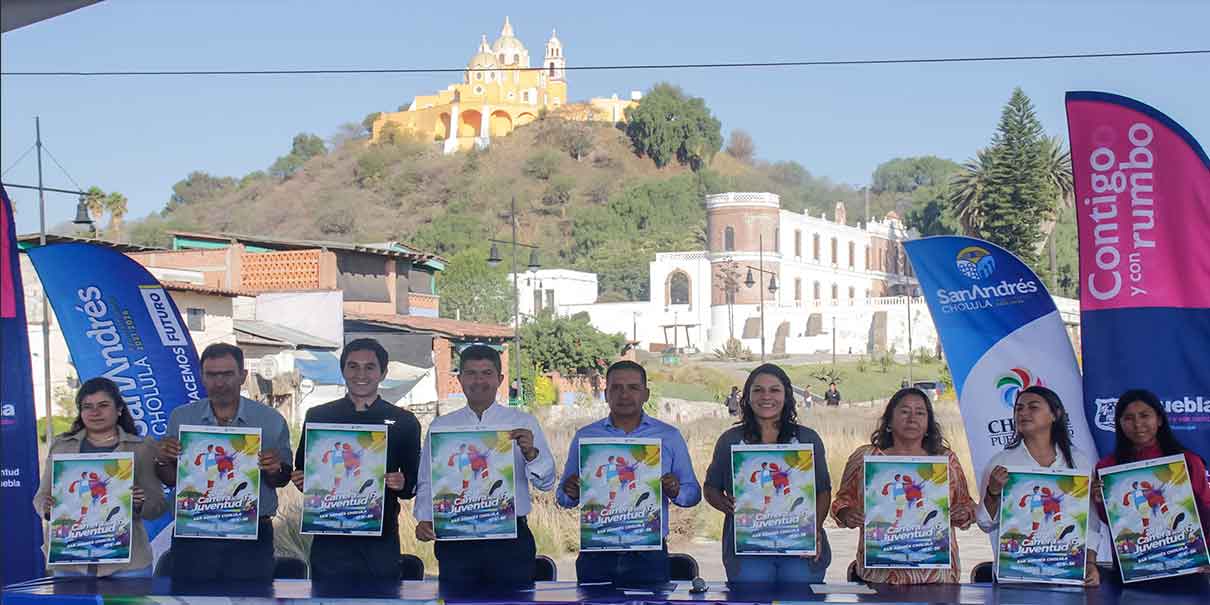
[139, 135]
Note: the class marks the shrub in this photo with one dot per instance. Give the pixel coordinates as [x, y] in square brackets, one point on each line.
[541, 165]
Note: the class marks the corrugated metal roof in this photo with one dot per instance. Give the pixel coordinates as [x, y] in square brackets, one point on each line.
[296, 244]
[268, 331]
[435, 325]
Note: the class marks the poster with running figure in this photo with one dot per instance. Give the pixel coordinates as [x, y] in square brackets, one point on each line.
[92, 514]
[1153, 518]
[620, 494]
[774, 489]
[1043, 526]
[907, 512]
[218, 482]
[473, 490]
[344, 479]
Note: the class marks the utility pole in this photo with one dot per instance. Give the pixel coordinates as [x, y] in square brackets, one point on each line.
[761, 263]
[833, 341]
[46, 390]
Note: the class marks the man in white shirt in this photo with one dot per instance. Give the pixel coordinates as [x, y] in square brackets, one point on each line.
[501, 561]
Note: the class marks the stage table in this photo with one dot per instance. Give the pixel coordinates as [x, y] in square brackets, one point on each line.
[90, 591]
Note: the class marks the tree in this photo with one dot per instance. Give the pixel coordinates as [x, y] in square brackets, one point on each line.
[196, 187]
[558, 193]
[1019, 194]
[473, 291]
[741, 147]
[116, 205]
[619, 239]
[568, 345]
[905, 175]
[304, 147]
[728, 275]
[368, 122]
[966, 192]
[669, 125]
[99, 204]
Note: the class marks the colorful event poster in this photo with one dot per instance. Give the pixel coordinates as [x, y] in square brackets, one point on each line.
[620, 494]
[473, 490]
[774, 487]
[344, 479]
[1043, 526]
[1153, 518]
[907, 512]
[218, 482]
[93, 513]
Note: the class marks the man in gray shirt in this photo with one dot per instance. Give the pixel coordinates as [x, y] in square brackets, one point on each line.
[204, 559]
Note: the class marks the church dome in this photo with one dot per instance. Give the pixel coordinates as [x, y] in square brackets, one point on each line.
[508, 46]
[483, 58]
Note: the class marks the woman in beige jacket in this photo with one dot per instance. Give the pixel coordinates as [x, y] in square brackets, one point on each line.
[104, 424]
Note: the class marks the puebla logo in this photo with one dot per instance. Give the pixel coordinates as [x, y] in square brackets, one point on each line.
[975, 263]
[1011, 383]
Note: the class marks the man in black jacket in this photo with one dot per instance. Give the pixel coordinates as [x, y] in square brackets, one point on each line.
[363, 364]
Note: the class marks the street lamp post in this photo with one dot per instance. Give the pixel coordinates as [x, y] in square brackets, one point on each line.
[750, 281]
[493, 259]
[82, 218]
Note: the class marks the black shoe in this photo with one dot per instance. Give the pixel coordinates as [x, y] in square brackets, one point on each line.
[368, 483]
[929, 517]
[239, 488]
[1066, 530]
[797, 501]
[495, 486]
[1177, 521]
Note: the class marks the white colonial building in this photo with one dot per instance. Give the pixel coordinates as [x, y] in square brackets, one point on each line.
[835, 286]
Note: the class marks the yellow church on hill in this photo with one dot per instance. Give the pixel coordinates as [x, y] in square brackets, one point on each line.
[499, 91]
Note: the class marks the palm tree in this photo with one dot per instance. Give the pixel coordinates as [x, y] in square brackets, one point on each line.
[115, 204]
[966, 193]
[1056, 161]
[94, 198]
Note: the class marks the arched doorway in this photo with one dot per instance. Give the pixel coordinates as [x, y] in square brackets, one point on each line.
[469, 122]
[525, 118]
[501, 123]
[677, 290]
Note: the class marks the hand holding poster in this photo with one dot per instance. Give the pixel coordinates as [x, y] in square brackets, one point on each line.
[620, 494]
[473, 490]
[1043, 526]
[92, 514]
[344, 480]
[774, 489]
[907, 512]
[1153, 517]
[218, 482]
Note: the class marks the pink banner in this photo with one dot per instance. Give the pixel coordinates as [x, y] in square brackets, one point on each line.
[1142, 186]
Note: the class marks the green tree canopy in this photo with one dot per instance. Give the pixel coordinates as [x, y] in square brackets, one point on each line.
[196, 187]
[668, 125]
[304, 147]
[619, 239]
[905, 175]
[568, 345]
[472, 290]
[1019, 195]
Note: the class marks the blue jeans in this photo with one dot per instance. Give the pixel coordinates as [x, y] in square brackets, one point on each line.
[633, 568]
[777, 569]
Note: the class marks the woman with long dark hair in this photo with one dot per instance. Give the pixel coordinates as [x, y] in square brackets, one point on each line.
[104, 424]
[1041, 439]
[768, 416]
[908, 427]
[1142, 432]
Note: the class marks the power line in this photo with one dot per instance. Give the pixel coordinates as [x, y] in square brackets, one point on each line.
[61, 168]
[14, 164]
[657, 66]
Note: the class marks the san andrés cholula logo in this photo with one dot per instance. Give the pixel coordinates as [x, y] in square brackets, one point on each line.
[977, 264]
